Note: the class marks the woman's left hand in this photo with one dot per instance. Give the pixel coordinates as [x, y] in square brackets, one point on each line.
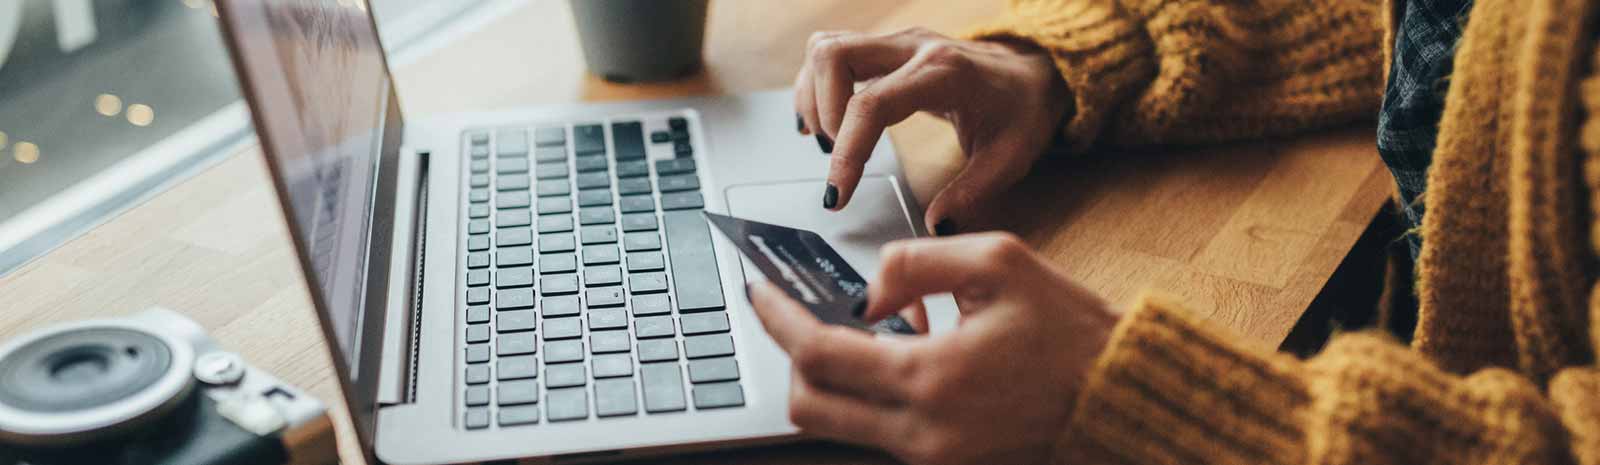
[997, 389]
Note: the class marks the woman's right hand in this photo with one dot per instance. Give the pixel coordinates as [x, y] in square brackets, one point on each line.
[1005, 102]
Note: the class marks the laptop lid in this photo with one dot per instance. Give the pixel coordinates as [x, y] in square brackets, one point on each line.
[324, 106]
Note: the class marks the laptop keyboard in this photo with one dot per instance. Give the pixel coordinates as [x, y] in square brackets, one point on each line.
[591, 286]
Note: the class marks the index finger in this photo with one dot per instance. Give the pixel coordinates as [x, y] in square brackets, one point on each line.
[891, 99]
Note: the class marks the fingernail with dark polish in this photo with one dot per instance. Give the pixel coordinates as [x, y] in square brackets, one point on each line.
[799, 124]
[824, 142]
[830, 197]
[945, 227]
[860, 309]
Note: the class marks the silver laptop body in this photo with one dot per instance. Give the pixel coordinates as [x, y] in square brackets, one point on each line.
[459, 326]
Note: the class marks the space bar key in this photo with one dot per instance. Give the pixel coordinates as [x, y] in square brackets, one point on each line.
[694, 264]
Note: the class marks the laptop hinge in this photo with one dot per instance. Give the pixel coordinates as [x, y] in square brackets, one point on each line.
[397, 376]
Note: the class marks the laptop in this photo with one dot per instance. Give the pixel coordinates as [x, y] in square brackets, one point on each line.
[537, 283]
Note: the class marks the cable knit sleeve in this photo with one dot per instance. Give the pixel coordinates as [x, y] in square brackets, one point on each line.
[1168, 390]
[1200, 71]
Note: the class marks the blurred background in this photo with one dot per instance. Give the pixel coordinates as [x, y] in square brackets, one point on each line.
[105, 102]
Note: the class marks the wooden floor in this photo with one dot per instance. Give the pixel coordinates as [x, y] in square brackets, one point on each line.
[1246, 233]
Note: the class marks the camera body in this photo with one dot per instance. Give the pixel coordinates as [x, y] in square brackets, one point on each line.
[150, 388]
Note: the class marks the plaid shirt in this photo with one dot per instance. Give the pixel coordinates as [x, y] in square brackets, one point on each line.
[1413, 100]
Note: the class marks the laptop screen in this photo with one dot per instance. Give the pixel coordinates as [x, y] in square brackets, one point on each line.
[319, 89]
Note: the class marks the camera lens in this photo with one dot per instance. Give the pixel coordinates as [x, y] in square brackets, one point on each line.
[88, 381]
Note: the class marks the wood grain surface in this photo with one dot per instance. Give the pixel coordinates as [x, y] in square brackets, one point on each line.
[1246, 233]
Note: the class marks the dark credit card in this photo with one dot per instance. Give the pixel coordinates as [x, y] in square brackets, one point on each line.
[808, 269]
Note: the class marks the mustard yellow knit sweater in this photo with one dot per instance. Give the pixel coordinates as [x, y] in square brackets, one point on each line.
[1502, 367]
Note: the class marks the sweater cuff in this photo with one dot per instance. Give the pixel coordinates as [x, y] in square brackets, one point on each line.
[1102, 56]
[1168, 389]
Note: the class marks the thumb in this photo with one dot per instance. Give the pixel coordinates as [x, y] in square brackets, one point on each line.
[986, 175]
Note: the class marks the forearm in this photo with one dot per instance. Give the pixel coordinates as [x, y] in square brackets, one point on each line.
[1201, 71]
[1170, 390]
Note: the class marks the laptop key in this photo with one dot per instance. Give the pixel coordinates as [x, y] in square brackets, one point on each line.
[511, 142]
[478, 180]
[477, 334]
[513, 277]
[477, 277]
[510, 200]
[599, 234]
[476, 243]
[477, 315]
[632, 169]
[694, 263]
[604, 275]
[682, 201]
[593, 180]
[658, 350]
[713, 369]
[480, 151]
[477, 295]
[553, 205]
[657, 137]
[637, 203]
[477, 374]
[562, 328]
[519, 415]
[516, 344]
[478, 210]
[674, 166]
[627, 140]
[653, 326]
[704, 323]
[515, 256]
[566, 283]
[558, 306]
[594, 197]
[477, 353]
[477, 396]
[549, 154]
[513, 236]
[614, 397]
[663, 387]
[513, 299]
[681, 148]
[554, 223]
[512, 166]
[682, 182]
[718, 395]
[641, 241]
[506, 219]
[603, 342]
[587, 163]
[678, 123]
[559, 375]
[611, 318]
[478, 137]
[627, 186]
[517, 392]
[512, 183]
[478, 227]
[479, 166]
[611, 365]
[632, 222]
[600, 254]
[605, 297]
[657, 304]
[552, 187]
[596, 215]
[478, 195]
[476, 418]
[711, 345]
[550, 171]
[558, 263]
[509, 322]
[548, 136]
[588, 138]
[646, 261]
[520, 367]
[646, 283]
[567, 404]
[563, 351]
[557, 243]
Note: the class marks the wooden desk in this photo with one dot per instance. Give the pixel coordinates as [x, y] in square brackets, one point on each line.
[1248, 233]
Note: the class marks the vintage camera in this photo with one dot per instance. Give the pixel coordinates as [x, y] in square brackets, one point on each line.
[151, 388]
